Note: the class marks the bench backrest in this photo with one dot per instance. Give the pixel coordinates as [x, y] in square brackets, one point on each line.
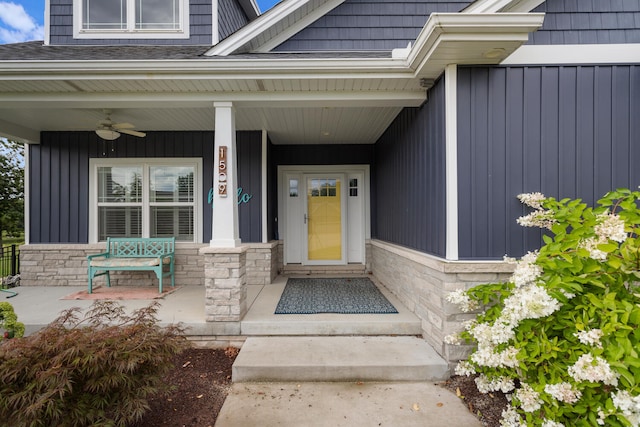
[135, 247]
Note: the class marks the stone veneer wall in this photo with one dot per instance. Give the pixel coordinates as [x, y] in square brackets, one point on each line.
[66, 265]
[421, 282]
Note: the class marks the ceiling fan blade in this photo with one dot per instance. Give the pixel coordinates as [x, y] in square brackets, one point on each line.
[132, 132]
[122, 126]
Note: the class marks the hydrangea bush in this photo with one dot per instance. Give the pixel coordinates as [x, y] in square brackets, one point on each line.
[562, 337]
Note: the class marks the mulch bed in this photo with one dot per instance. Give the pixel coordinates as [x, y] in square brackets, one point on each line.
[202, 379]
[487, 407]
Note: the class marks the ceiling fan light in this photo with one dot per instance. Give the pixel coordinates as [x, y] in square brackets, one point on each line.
[107, 134]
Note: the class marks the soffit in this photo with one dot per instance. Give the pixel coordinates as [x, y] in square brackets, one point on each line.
[290, 96]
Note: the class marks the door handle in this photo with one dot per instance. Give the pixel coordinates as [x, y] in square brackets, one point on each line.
[306, 218]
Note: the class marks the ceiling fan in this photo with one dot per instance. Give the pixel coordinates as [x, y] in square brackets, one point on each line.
[109, 130]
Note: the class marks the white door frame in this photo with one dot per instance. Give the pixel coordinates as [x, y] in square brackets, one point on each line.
[291, 221]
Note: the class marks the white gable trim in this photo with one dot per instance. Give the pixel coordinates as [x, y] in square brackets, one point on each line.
[575, 54]
[299, 26]
[493, 6]
[47, 23]
[280, 13]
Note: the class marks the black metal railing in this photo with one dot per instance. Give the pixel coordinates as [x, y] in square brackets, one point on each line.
[9, 261]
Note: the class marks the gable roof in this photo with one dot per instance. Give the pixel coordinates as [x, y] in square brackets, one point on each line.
[273, 27]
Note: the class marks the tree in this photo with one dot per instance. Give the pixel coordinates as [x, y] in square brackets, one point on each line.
[11, 187]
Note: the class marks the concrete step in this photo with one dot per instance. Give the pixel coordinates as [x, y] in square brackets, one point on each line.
[401, 358]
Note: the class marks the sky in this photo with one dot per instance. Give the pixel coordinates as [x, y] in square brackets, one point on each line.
[23, 20]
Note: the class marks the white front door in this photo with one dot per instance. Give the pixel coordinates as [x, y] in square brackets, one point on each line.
[323, 214]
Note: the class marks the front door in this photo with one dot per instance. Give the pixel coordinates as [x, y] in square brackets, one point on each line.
[323, 213]
[324, 218]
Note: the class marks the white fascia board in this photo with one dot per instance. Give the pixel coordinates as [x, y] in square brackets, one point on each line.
[493, 6]
[471, 27]
[522, 5]
[279, 13]
[575, 54]
[203, 100]
[486, 6]
[285, 68]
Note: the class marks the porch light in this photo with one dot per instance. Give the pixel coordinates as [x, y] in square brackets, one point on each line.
[108, 134]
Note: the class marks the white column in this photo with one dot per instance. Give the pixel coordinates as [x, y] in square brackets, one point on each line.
[451, 156]
[225, 228]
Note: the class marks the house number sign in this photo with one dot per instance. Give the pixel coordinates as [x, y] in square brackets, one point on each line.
[222, 171]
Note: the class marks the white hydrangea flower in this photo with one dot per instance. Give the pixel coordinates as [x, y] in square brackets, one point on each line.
[591, 337]
[533, 200]
[453, 339]
[610, 227]
[460, 298]
[601, 416]
[529, 398]
[564, 392]
[465, 369]
[529, 302]
[503, 384]
[539, 218]
[593, 369]
[627, 404]
[551, 423]
[510, 418]
[526, 271]
[591, 244]
[486, 355]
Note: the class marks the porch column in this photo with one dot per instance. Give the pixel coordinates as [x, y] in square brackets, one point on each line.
[225, 229]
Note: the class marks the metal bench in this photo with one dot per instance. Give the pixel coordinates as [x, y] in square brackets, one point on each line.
[124, 253]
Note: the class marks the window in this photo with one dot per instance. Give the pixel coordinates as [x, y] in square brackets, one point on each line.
[157, 198]
[131, 18]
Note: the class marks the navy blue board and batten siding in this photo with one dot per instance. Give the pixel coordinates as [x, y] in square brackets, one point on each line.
[566, 131]
[369, 25]
[410, 180]
[588, 22]
[59, 178]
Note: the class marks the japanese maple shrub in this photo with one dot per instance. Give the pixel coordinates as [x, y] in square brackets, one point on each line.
[561, 338]
[96, 369]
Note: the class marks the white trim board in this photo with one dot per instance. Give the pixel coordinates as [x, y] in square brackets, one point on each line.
[451, 161]
[575, 54]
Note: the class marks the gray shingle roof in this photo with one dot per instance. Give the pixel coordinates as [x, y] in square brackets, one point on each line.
[37, 51]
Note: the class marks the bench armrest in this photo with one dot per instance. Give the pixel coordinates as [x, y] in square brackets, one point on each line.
[103, 254]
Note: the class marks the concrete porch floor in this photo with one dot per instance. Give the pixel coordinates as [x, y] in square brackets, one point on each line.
[36, 306]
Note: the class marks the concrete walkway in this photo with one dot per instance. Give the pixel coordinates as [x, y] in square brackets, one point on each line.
[355, 404]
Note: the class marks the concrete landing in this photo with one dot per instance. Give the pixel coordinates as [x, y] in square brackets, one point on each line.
[401, 358]
[261, 320]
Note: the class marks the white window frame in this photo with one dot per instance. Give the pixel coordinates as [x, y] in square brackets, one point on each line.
[130, 32]
[146, 164]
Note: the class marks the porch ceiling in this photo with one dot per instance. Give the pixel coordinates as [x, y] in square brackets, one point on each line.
[308, 98]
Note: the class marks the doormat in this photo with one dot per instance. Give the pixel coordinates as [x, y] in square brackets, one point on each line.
[356, 295]
[121, 293]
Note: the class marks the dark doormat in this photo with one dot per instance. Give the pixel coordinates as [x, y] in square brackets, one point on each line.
[355, 295]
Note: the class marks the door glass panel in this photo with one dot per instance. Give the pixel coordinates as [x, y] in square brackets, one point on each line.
[324, 219]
